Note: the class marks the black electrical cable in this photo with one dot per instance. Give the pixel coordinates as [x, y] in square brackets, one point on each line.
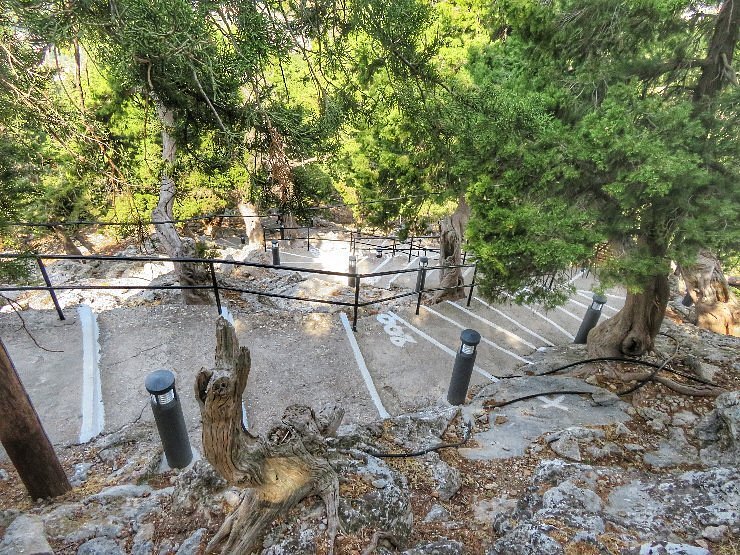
[631, 360]
[656, 368]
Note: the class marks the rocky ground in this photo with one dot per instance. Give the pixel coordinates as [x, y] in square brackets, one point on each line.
[663, 478]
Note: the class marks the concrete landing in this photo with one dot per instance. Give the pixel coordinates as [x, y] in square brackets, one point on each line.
[51, 371]
[295, 359]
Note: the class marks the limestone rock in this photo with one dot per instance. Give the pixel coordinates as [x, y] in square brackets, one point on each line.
[719, 431]
[191, 546]
[442, 547]
[674, 451]
[526, 539]
[25, 535]
[447, 478]
[437, 514]
[100, 546]
[668, 548]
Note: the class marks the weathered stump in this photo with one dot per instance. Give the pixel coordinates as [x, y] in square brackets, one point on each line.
[279, 470]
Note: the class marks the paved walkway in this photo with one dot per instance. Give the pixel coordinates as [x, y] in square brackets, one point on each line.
[396, 362]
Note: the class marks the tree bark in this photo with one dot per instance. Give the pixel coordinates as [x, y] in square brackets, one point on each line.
[717, 308]
[280, 469]
[452, 233]
[633, 329]
[252, 224]
[717, 67]
[24, 439]
[163, 216]
[67, 242]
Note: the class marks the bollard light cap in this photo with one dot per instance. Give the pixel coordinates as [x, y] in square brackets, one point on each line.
[470, 337]
[423, 261]
[599, 298]
[159, 382]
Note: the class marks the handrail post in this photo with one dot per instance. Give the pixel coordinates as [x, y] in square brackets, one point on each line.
[308, 238]
[422, 281]
[215, 287]
[472, 284]
[51, 289]
[411, 247]
[357, 300]
[264, 237]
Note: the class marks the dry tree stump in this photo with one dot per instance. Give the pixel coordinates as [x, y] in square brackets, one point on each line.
[277, 471]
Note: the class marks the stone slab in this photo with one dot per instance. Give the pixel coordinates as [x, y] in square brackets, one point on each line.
[514, 427]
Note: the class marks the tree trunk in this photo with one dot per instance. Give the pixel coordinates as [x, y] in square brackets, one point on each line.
[717, 308]
[452, 233]
[632, 331]
[24, 438]
[280, 470]
[67, 242]
[163, 216]
[252, 224]
[717, 68]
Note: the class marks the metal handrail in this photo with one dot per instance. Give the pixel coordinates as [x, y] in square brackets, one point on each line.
[354, 278]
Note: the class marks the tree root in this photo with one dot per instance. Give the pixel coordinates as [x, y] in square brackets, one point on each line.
[671, 384]
[377, 536]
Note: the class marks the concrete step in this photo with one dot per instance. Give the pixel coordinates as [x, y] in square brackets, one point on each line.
[491, 355]
[409, 367]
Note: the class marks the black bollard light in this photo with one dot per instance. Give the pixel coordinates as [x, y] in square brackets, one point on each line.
[378, 252]
[423, 263]
[590, 319]
[687, 300]
[275, 253]
[463, 369]
[243, 239]
[168, 415]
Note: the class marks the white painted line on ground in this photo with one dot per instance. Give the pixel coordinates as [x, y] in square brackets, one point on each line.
[406, 267]
[546, 319]
[436, 343]
[607, 294]
[363, 367]
[561, 309]
[575, 277]
[466, 272]
[485, 340]
[378, 268]
[519, 325]
[93, 414]
[514, 336]
[590, 298]
[578, 303]
[299, 255]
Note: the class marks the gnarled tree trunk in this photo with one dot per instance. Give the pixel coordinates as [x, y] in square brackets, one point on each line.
[279, 470]
[252, 224]
[632, 331]
[452, 233]
[174, 245]
[717, 308]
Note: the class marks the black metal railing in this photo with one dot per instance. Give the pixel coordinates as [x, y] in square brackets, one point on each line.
[413, 243]
[354, 279]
